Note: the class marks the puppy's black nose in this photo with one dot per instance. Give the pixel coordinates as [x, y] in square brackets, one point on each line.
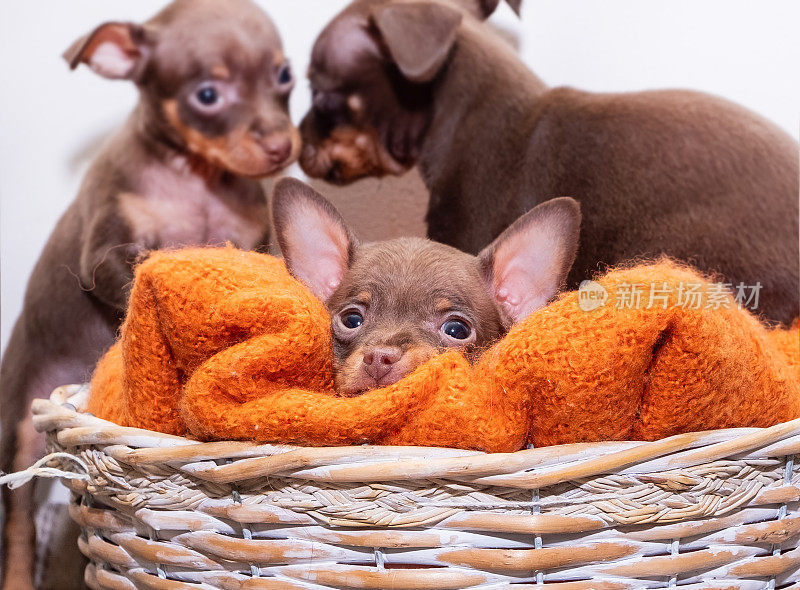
[277, 148]
[378, 361]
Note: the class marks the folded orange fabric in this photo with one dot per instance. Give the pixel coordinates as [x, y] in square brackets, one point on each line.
[224, 344]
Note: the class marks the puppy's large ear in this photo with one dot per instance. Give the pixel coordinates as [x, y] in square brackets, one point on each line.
[113, 50]
[418, 36]
[528, 263]
[316, 244]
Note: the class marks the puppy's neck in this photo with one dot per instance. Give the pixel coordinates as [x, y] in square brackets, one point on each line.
[159, 140]
[483, 114]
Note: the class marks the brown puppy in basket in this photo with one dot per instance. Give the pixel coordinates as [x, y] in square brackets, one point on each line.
[212, 117]
[395, 304]
[397, 84]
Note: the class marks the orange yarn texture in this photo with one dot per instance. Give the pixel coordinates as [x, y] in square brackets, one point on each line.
[225, 344]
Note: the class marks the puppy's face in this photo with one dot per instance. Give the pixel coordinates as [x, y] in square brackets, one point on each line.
[403, 301]
[373, 74]
[213, 79]
[397, 303]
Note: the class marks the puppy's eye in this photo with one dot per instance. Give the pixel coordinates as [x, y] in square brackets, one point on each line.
[208, 95]
[457, 329]
[352, 320]
[285, 75]
[207, 99]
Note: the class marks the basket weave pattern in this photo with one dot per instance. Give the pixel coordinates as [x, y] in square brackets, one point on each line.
[703, 510]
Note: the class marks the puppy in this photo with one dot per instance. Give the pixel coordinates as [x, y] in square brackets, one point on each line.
[397, 303]
[212, 117]
[397, 84]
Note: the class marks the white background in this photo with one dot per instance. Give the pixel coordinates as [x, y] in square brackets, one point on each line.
[51, 120]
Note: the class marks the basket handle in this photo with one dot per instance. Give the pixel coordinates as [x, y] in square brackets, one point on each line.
[38, 469]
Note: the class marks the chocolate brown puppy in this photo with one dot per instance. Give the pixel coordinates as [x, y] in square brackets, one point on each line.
[212, 117]
[669, 172]
[395, 304]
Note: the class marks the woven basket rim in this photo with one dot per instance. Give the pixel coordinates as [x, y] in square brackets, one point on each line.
[529, 468]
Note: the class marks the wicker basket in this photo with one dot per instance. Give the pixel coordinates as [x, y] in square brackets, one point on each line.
[702, 510]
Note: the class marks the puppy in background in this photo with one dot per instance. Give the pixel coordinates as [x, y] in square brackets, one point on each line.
[397, 84]
[395, 304]
[212, 117]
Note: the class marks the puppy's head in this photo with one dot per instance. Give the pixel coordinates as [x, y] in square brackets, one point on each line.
[213, 80]
[395, 304]
[373, 72]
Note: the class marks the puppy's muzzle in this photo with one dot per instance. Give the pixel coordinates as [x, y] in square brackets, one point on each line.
[343, 153]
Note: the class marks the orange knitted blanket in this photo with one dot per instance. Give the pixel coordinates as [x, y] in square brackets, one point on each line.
[224, 344]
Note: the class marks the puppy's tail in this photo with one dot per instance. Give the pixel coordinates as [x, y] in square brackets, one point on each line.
[486, 8]
[516, 6]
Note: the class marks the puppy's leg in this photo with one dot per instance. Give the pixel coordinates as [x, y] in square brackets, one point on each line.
[19, 540]
[25, 374]
[19, 447]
